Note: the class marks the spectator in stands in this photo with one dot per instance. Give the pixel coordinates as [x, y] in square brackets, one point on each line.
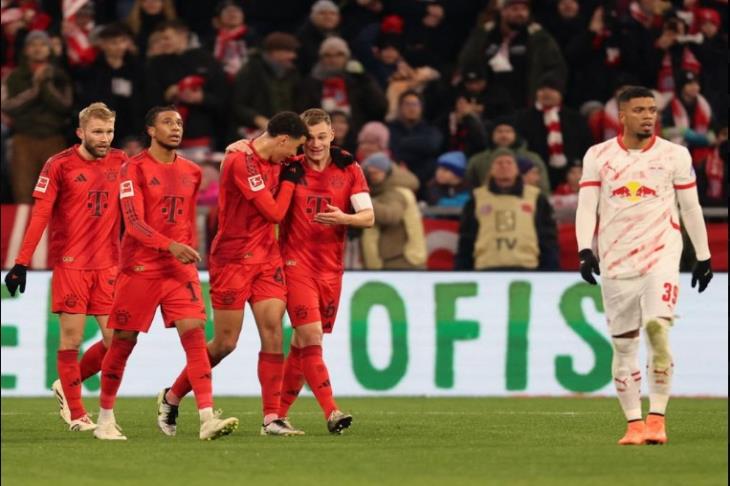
[268, 82]
[572, 180]
[503, 136]
[193, 80]
[507, 225]
[76, 32]
[414, 141]
[115, 78]
[386, 54]
[712, 173]
[323, 22]
[14, 30]
[447, 188]
[337, 83]
[405, 78]
[39, 102]
[463, 127]
[644, 38]
[712, 53]
[373, 137]
[132, 145]
[233, 39]
[518, 52]
[494, 99]
[688, 118]
[344, 136]
[145, 16]
[529, 172]
[360, 14]
[676, 54]
[556, 132]
[397, 240]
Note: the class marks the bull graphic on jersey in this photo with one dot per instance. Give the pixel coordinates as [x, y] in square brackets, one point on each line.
[633, 191]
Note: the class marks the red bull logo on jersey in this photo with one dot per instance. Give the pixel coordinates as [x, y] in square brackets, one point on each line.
[633, 191]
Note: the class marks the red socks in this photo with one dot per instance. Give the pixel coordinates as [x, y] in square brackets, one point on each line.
[198, 367]
[293, 380]
[318, 378]
[68, 372]
[270, 371]
[112, 370]
[91, 360]
[182, 385]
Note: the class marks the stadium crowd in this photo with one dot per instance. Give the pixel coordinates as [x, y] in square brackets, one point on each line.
[442, 102]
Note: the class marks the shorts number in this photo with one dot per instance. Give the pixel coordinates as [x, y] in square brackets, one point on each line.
[193, 297]
[671, 292]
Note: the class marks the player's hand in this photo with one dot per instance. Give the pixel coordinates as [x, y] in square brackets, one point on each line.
[184, 253]
[701, 273]
[340, 157]
[16, 279]
[589, 266]
[333, 215]
[292, 172]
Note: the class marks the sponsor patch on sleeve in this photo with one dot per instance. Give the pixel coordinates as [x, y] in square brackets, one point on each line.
[126, 189]
[42, 184]
[256, 182]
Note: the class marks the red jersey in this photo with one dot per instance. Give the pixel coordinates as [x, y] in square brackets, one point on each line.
[158, 205]
[244, 234]
[314, 248]
[79, 196]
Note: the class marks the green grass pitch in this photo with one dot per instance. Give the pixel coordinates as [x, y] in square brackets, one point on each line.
[401, 441]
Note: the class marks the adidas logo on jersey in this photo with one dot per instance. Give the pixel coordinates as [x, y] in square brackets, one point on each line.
[154, 181]
[80, 178]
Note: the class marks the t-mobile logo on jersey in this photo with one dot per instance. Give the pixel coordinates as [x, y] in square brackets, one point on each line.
[317, 204]
[98, 201]
[171, 206]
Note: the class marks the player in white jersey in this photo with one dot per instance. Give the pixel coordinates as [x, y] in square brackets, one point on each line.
[632, 183]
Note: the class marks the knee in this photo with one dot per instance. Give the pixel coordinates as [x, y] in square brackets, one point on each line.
[625, 356]
[657, 331]
[311, 337]
[70, 340]
[224, 347]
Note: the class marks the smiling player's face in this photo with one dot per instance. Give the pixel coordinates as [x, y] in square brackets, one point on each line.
[638, 117]
[167, 130]
[317, 146]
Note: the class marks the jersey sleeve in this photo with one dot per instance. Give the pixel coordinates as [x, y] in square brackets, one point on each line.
[49, 181]
[591, 173]
[131, 200]
[359, 184]
[247, 175]
[684, 172]
[194, 210]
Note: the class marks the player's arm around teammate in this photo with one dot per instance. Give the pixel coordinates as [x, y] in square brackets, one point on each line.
[334, 195]
[77, 190]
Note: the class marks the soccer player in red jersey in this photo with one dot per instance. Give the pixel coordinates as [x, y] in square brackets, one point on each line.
[77, 192]
[157, 195]
[332, 195]
[245, 262]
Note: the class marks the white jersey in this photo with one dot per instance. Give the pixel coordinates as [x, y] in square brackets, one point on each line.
[638, 227]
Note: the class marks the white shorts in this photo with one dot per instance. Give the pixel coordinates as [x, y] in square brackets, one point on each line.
[629, 303]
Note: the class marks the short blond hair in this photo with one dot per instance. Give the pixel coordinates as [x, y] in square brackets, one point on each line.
[314, 116]
[96, 110]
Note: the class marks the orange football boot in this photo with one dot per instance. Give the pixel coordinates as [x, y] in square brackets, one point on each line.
[634, 434]
[655, 431]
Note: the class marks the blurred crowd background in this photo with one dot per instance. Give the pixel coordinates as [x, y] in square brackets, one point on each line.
[447, 104]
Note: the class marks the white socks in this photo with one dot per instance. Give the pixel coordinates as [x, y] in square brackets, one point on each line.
[106, 416]
[660, 366]
[627, 376]
[205, 414]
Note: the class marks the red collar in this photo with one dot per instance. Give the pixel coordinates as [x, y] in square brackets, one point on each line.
[620, 141]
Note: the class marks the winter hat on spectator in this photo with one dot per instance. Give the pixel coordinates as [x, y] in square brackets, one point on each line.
[503, 120]
[37, 35]
[280, 41]
[224, 4]
[503, 151]
[525, 165]
[379, 160]
[474, 72]
[686, 77]
[11, 15]
[324, 6]
[375, 132]
[703, 15]
[553, 82]
[334, 44]
[454, 161]
[509, 3]
[392, 24]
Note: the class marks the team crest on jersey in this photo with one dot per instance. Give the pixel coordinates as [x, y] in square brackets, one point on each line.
[111, 175]
[337, 182]
[42, 184]
[256, 182]
[122, 316]
[301, 312]
[633, 191]
[71, 300]
[126, 189]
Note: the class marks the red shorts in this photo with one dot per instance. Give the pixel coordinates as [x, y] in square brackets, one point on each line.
[232, 284]
[313, 299]
[89, 292]
[137, 298]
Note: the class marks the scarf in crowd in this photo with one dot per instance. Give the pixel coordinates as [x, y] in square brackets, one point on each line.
[715, 172]
[334, 95]
[230, 50]
[700, 122]
[79, 50]
[665, 81]
[551, 118]
[648, 21]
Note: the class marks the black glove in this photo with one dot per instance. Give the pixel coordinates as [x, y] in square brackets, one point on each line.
[588, 266]
[16, 278]
[701, 273]
[341, 157]
[292, 172]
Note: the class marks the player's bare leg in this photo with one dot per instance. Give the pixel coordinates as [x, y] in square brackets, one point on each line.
[227, 329]
[268, 315]
[68, 387]
[660, 369]
[192, 337]
[627, 379]
[112, 371]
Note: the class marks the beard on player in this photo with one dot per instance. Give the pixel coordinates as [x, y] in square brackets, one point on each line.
[97, 151]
